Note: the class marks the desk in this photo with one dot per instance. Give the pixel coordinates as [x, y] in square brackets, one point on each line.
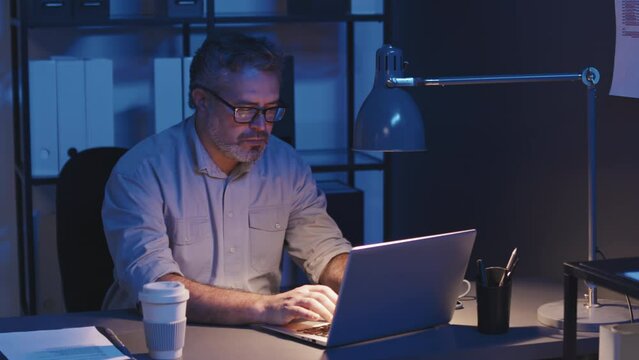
[601, 272]
[525, 340]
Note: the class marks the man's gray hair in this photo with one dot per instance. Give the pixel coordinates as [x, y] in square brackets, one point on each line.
[222, 53]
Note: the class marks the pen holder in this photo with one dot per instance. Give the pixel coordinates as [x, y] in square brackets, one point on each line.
[493, 302]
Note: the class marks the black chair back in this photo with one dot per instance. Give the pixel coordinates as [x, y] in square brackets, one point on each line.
[85, 263]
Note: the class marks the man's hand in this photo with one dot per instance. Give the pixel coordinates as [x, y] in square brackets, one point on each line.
[213, 305]
[308, 302]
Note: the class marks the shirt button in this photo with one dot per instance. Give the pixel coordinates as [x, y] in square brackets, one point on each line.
[232, 250]
[230, 214]
[278, 226]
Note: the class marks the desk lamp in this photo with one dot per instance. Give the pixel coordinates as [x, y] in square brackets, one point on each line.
[390, 121]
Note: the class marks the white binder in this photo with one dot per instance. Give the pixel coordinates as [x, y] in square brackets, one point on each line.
[186, 77]
[168, 92]
[71, 108]
[43, 110]
[98, 76]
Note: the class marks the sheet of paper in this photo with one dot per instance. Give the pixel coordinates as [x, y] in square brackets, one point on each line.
[71, 343]
[625, 78]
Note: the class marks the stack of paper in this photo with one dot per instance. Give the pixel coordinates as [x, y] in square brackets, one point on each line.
[71, 343]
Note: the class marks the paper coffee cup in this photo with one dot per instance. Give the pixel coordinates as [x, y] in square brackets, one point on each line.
[164, 313]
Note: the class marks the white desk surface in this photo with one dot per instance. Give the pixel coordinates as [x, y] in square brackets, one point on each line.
[525, 340]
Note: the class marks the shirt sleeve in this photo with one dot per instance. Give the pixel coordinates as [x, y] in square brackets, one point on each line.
[312, 235]
[136, 232]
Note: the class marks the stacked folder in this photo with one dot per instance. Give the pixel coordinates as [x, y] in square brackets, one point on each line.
[171, 91]
[71, 109]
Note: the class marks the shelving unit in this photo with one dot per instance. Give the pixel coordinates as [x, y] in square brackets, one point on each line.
[342, 161]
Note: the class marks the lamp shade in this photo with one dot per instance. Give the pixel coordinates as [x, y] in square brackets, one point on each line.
[389, 119]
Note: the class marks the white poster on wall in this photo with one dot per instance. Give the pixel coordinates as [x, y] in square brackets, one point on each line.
[625, 78]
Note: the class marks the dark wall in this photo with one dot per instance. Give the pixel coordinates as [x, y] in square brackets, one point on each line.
[510, 160]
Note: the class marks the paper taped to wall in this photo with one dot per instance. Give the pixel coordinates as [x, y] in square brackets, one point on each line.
[625, 78]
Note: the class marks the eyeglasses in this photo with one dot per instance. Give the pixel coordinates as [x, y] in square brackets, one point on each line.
[245, 114]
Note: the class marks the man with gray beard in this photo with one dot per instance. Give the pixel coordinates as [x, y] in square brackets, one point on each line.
[211, 201]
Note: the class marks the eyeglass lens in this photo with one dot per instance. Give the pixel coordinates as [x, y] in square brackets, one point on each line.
[246, 115]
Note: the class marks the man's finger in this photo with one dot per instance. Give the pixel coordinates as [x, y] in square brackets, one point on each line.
[316, 307]
[328, 292]
[324, 300]
[296, 312]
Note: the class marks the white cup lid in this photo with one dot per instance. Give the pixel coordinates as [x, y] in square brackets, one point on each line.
[162, 292]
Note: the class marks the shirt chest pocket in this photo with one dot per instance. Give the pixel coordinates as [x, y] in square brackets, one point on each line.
[267, 227]
[191, 242]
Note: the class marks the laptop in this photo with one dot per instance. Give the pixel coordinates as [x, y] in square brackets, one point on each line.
[392, 288]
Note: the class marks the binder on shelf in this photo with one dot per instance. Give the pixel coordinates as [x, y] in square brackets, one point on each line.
[186, 80]
[43, 110]
[71, 108]
[168, 92]
[98, 76]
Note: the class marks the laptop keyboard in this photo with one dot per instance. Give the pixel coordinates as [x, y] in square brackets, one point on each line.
[317, 330]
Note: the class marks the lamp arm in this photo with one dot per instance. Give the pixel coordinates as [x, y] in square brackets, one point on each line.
[589, 76]
[390, 74]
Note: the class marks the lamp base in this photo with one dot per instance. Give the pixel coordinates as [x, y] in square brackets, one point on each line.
[588, 319]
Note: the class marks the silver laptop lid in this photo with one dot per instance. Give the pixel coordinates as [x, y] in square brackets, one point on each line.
[400, 286]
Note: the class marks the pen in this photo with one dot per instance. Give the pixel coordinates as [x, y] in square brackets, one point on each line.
[509, 266]
[482, 272]
[512, 268]
[115, 340]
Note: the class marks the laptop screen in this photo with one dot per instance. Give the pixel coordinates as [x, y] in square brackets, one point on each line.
[634, 275]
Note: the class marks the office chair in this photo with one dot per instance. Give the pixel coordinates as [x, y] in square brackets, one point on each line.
[85, 263]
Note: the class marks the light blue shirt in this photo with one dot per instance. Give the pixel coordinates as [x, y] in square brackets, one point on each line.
[169, 209]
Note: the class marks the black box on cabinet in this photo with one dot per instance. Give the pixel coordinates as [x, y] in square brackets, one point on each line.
[87, 10]
[50, 12]
[345, 205]
[317, 7]
[285, 128]
[185, 8]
